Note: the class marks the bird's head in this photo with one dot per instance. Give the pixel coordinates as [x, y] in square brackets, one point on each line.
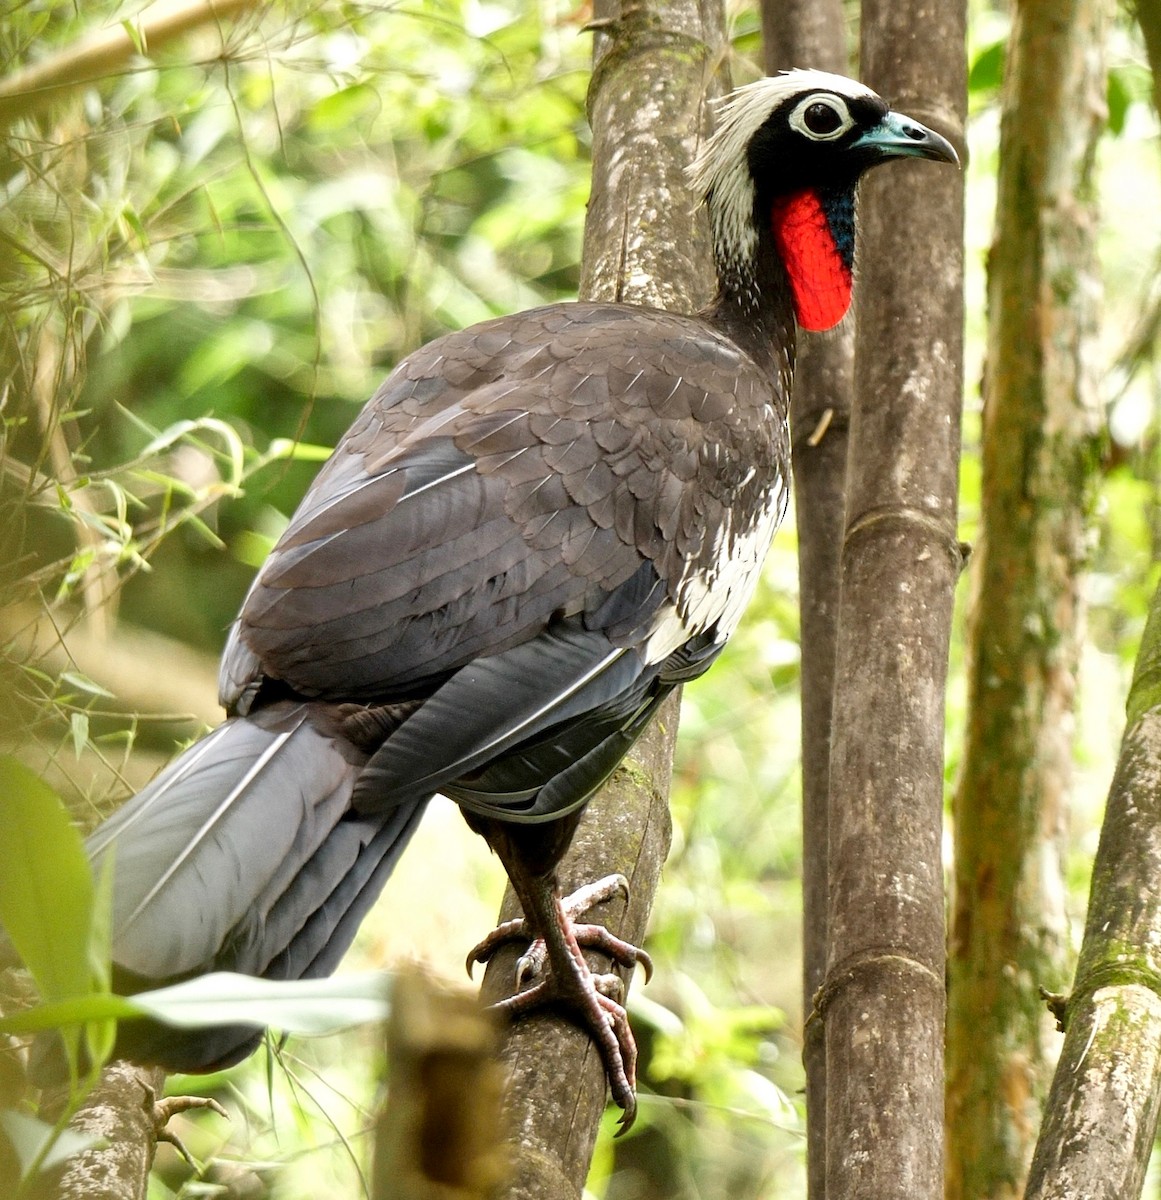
[785, 158]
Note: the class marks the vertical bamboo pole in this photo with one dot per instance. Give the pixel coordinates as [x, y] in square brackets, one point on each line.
[812, 33]
[646, 242]
[883, 1001]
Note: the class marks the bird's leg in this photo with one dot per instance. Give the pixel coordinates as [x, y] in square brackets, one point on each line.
[570, 982]
[588, 936]
[593, 1000]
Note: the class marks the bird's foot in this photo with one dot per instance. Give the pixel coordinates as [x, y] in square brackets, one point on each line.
[607, 1021]
[555, 965]
[530, 965]
[594, 1001]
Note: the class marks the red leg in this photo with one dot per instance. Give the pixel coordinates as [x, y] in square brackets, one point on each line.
[558, 957]
[588, 936]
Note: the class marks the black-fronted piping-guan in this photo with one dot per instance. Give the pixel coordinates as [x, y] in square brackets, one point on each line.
[534, 530]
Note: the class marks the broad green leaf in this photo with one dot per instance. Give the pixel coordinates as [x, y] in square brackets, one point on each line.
[987, 71]
[46, 886]
[312, 1006]
[80, 1010]
[31, 1140]
[1119, 99]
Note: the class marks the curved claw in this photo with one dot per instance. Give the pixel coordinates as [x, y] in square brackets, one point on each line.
[531, 962]
[623, 953]
[485, 949]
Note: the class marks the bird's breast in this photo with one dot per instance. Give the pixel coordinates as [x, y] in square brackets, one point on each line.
[715, 587]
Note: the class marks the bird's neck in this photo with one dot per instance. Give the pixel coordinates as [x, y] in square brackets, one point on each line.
[795, 267]
[755, 309]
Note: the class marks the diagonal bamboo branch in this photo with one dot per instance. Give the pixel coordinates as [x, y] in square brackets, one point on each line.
[105, 52]
[1102, 1110]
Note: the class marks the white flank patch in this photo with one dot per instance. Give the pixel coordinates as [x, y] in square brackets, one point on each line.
[721, 173]
[718, 596]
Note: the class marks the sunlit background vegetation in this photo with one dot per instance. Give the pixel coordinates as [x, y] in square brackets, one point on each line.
[206, 266]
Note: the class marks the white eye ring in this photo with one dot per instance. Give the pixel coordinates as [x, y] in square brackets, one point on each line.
[828, 100]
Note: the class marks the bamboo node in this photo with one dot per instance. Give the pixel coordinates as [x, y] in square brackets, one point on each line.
[864, 962]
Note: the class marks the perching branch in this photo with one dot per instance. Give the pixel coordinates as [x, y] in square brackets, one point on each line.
[647, 109]
[120, 1115]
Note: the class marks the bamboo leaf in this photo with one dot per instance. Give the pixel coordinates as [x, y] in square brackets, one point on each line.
[31, 1140]
[311, 1006]
[46, 886]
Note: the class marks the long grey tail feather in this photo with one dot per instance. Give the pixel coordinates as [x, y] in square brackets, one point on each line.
[243, 855]
[314, 950]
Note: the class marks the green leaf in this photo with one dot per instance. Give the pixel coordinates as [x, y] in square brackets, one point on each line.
[311, 1006]
[1119, 99]
[31, 1140]
[136, 35]
[342, 108]
[79, 727]
[80, 1010]
[85, 684]
[46, 886]
[298, 451]
[987, 72]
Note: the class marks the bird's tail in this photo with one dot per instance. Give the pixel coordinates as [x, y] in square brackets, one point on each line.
[243, 855]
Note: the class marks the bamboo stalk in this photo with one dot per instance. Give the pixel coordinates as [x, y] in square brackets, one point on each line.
[1040, 454]
[1102, 1109]
[656, 58]
[107, 51]
[883, 1000]
[813, 33]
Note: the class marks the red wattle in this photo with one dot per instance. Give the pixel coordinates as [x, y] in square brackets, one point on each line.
[819, 279]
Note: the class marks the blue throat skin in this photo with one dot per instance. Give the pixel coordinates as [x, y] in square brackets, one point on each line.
[839, 207]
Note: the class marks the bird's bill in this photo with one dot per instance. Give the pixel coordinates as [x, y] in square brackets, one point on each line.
[899, 136]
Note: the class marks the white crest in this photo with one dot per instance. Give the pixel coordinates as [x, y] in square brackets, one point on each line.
[721, 173]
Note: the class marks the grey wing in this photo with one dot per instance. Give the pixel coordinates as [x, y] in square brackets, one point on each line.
[498, 536]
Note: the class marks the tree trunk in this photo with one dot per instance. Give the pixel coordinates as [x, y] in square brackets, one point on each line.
[883, 1001]
[647, 110]
[1101, 1113]
[812, 33]
[1041, 425]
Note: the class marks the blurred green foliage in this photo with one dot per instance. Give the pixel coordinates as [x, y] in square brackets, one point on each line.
[209, 261]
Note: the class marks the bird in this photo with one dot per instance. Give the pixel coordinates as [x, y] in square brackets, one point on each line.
[535, 530]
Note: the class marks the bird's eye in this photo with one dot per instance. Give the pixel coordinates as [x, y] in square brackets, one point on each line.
[821, 118]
